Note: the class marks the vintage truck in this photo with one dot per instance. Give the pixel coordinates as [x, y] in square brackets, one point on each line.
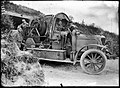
[47, 40]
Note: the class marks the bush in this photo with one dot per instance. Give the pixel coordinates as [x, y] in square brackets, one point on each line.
[6, 23]
[19, 66]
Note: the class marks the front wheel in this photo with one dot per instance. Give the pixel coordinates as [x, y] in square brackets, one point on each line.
[93, 61]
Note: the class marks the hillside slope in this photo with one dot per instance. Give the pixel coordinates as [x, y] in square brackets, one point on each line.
[21, 9]
[93, 30]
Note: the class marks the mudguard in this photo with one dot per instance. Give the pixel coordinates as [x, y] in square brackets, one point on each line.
[98, 45]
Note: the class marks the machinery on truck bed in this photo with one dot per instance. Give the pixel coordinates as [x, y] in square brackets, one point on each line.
[48, 40]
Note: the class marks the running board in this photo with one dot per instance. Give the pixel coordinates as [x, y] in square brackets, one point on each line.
[65, 61]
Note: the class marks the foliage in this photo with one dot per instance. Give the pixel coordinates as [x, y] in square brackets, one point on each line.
[88, 29]
[114, 39]
[21, 9]
[93, 30]
[6, 23]
[16, 64]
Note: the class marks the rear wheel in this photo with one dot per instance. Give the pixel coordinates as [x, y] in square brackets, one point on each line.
[93, 61]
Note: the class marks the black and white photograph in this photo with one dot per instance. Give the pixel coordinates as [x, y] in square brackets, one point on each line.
[59, 43]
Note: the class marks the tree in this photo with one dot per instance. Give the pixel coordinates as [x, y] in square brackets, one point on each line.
[93, 24]
[83, 22]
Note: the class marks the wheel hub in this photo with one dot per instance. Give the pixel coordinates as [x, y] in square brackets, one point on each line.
[93, 61]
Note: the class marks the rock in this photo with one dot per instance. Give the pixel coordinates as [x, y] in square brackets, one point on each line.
[19, 68]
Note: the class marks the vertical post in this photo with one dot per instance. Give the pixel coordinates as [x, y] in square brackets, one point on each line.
[74, 40]
[74, 45]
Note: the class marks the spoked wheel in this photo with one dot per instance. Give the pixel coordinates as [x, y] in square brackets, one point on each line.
[93, 61]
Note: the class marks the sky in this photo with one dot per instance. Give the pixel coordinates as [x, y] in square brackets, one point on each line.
[103, 13]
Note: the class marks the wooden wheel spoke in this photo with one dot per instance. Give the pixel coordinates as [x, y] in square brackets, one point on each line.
[86, 59]
[95, 55]
[92, 55]
[87, 64]
[98, 57]
[89, 67]
[89, 57]
[100, 63]
[94, 67]
[93, 61]
[97, 66]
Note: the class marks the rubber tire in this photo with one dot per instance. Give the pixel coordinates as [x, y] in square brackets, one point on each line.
[86, 53]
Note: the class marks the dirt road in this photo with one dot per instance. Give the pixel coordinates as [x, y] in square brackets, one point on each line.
[57, 74]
